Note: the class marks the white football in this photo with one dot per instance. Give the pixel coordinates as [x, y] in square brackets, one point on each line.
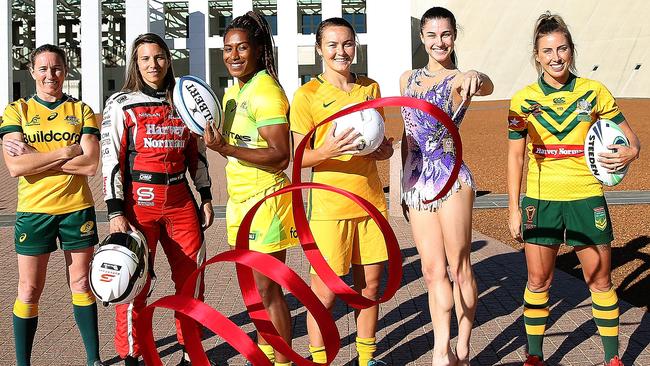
[368, 123]
[196, 104]
[600, 135]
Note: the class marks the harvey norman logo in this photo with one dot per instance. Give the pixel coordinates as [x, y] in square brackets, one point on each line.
[558, 151]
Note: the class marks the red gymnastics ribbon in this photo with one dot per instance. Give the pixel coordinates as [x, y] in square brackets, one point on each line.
[246, 261]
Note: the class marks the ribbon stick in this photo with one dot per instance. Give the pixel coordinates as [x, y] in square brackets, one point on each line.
[192, 312]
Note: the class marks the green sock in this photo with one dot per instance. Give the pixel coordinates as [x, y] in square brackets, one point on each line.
[604, 307]
[536, 312]
[85, 314]
[25, 321]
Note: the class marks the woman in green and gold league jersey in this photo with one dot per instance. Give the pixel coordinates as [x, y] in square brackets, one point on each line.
[50, 141]
[564, 203]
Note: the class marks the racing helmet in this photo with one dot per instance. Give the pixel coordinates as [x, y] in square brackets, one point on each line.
[119, 268]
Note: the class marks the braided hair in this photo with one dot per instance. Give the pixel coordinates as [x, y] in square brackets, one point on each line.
[259, 33]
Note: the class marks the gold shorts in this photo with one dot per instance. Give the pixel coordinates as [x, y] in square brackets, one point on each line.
[349, 241]
[272, 229]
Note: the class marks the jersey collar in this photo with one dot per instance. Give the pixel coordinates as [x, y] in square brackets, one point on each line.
[51, 105]
[547, 89]
[258, 74]
[156, 93]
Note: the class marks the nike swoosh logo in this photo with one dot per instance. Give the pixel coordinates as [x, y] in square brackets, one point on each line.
[325, 105]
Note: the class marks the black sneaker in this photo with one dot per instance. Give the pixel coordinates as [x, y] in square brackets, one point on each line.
[131, 361]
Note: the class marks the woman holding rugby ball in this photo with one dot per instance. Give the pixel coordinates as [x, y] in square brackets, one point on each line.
[255, 140]
[564, 203]
[442, 229]
[146, 151]
[344, 232]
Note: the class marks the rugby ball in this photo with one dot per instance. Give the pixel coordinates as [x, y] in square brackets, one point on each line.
[600, 135]
[196, 104]
[368, 123]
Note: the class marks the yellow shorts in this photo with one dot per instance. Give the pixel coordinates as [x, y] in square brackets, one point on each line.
[272, 229]
[349, 241]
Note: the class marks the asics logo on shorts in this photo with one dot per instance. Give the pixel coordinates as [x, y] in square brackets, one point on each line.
[22, 237]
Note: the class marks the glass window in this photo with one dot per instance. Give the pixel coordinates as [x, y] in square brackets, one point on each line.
[220, 16]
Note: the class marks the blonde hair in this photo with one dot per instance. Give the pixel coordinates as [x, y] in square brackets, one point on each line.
[546, 24]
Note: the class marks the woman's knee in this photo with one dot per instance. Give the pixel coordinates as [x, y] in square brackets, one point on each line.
[434, 274]
[539, 282]
[79, 283]
[29, 292]
[462, 274]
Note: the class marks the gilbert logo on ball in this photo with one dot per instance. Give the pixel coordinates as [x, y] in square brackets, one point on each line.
[196, 104]
[368, 123]
[601, 134]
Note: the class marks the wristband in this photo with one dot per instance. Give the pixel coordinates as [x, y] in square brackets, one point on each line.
[115, 214]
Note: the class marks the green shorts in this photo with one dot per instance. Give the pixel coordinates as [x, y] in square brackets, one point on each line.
[36, 233]
[579, 222]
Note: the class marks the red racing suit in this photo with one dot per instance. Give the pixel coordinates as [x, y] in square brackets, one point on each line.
[146, 150]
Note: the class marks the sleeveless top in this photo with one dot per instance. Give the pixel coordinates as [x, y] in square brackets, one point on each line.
[430, 152]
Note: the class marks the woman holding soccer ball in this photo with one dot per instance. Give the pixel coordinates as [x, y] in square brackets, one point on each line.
[442, 229]
[564, 203]
[344, 232]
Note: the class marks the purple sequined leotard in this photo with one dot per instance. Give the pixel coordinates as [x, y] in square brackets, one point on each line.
[430, 153]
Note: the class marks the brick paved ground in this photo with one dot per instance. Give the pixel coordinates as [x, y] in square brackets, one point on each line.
[404, 328]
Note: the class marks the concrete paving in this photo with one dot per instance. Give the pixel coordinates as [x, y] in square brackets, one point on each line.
[404, 334]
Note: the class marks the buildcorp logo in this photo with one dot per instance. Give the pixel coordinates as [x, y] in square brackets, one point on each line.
[49, 136]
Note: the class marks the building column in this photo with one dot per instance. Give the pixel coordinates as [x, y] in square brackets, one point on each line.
[6, 56]
[137, 22]
[288, 46]
[92, 79]
[240, 7]
[379, 14]
[46, 29]
[332, 8]
[199, 11]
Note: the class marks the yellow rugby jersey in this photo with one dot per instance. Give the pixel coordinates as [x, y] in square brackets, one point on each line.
[312, 103]
[260, 102]
[48, 126]
[556, 122]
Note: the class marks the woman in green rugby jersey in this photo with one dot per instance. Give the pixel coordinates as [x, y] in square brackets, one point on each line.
[50, 141]
[564, 203]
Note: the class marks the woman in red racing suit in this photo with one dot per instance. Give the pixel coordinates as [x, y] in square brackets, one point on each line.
[146, 150]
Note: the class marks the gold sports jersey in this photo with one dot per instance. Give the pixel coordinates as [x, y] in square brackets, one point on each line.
[556, 122]
[260, 102]
[313, 102]
[48, 126]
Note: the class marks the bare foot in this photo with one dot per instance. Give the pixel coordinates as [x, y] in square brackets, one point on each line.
[462, 353]
[448, 359]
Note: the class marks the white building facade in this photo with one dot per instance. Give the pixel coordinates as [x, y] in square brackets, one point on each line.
[612, 38]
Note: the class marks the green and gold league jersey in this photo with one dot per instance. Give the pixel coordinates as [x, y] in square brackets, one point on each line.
[556, 122]
[48, 126]
[258, 103]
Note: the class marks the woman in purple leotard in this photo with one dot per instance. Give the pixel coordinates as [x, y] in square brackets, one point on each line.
[442, 228]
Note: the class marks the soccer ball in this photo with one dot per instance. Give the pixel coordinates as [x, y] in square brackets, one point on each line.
[368, 123]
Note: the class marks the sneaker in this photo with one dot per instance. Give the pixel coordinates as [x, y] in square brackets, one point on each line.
[372, 362]
[131, 361]
[614, 362]
[532, 360]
